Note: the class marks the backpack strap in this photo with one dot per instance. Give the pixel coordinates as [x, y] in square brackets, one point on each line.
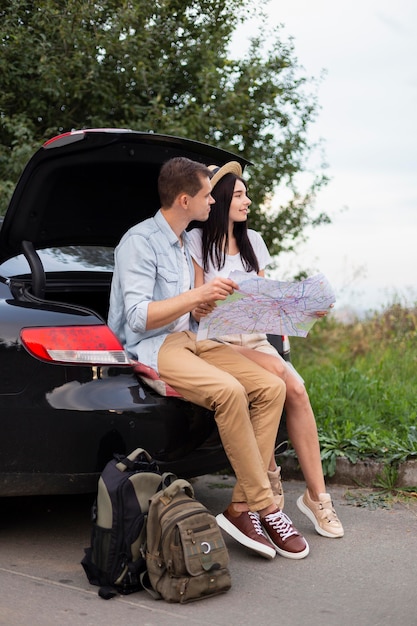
[167, 479]
[146, 585]
[176, 486]
[128, 461]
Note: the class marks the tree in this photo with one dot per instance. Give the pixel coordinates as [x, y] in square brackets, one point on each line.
[163, 66]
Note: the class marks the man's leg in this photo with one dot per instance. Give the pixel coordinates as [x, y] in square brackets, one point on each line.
[215, 376]
[265, 412]
[208, 373]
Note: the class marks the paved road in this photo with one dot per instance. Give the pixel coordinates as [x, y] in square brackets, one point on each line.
[368, 578]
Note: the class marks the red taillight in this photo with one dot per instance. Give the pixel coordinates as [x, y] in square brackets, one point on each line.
[285, 344]
[94, 345]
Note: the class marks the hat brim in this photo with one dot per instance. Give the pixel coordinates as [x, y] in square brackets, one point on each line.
[233, 167]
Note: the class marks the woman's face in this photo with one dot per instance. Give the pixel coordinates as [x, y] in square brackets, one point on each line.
[239, 206]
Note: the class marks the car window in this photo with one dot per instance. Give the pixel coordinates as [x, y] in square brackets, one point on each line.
[66, 259]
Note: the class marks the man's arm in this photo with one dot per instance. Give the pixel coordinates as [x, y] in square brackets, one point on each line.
[166, 311]
[137, 270]
[203, 308]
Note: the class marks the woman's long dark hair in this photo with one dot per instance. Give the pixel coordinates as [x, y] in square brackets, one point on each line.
[216, 229]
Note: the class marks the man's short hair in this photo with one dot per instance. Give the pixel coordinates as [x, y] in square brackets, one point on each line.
[180, 175]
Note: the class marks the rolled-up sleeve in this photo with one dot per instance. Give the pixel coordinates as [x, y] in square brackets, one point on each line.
[148, 268]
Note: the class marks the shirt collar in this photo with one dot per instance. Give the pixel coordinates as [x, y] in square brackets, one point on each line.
[166, 228]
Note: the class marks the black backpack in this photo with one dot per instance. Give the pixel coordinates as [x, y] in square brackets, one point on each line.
[115, 560]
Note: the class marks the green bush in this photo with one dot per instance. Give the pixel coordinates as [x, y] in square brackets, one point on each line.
[361, 378]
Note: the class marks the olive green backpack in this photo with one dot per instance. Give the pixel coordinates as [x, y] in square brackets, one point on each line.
[186, 556]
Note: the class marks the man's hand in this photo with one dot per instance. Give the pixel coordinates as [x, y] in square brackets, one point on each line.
[163, 312]
[216, 289]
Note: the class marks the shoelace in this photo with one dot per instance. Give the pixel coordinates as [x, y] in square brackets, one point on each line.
[256, 523]
[282, 524]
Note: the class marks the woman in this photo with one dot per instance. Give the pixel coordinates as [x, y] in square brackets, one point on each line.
[223, 244]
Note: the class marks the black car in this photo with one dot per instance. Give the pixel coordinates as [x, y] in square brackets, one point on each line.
[69, 396]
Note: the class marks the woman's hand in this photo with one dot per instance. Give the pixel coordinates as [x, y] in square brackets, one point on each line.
[324, 313]
[202, 310]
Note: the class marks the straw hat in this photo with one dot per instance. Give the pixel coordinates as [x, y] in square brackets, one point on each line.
[233, 167]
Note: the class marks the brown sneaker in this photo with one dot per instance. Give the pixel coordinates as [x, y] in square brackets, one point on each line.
[246, 529]
[322, 514]
[286, 539]
[276, 486]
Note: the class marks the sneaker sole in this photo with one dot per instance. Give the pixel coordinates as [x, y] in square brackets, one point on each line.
[234, 532]
[309, 513]
[290, 555]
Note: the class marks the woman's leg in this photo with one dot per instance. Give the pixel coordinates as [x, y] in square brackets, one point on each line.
[316, 504]
[302, 430]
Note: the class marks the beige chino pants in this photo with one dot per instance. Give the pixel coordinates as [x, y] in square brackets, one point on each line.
[246, 399]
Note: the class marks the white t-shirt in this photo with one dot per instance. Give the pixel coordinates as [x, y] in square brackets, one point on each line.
[256, 341]
[232, 261]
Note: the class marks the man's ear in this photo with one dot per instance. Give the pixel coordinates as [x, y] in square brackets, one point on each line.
[183, 200]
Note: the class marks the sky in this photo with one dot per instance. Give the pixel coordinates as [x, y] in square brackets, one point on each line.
[368, 123]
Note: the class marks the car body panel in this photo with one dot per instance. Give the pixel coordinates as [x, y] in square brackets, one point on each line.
[89, 192]
[61, 422]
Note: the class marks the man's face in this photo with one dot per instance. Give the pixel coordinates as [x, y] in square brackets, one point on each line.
[200, 204]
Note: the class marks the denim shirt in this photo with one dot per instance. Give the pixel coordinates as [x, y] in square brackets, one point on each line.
[148, 267]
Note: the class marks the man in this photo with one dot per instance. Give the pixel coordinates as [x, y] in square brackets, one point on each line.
[151, 301]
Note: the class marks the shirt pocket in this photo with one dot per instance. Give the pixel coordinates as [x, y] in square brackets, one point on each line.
[167, 274]
[167, 282]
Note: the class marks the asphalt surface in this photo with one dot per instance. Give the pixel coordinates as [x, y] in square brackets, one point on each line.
[367, 578]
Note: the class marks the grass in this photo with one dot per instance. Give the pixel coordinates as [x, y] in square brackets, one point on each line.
[382, 498]
[361, 378]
